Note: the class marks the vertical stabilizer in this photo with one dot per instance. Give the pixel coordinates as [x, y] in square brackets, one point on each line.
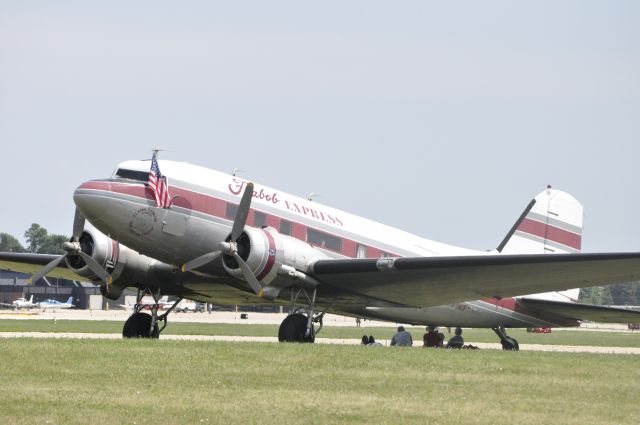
[70, 300]
[551, 224]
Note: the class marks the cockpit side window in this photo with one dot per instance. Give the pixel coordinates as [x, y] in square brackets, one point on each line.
[123, 173]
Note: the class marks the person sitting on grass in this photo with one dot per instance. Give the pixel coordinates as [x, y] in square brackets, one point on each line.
[401, 338]
[373, 343]
[365, 340]
[456, 341]
[432, 337]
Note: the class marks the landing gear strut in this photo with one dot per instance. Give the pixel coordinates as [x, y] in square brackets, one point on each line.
[299, 326]
[507, 342]
[145, 325]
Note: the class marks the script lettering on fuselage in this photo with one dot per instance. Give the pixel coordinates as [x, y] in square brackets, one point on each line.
[236, 187]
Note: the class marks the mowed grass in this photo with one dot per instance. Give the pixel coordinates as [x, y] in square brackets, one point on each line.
[556, 337]
[175, 382]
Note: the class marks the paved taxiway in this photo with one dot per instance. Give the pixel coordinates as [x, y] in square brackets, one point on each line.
[495, 346]
[267, 318]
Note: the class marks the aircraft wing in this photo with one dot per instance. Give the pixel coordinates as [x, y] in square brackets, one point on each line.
[577, 311]
[431, 281]
[32, 263]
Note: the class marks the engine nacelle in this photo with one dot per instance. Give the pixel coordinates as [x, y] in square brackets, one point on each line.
[126, 266]
[272, 257]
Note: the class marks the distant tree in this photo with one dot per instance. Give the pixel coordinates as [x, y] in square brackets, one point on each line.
[591, 295]
[606, 296]
[52, 244]
[10, 244]
[624, 293]
[35, 237]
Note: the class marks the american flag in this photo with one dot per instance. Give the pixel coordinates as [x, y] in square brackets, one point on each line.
[158, 183]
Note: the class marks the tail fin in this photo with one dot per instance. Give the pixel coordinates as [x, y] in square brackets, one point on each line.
[31, 299]
[70, 300]
[551, 223]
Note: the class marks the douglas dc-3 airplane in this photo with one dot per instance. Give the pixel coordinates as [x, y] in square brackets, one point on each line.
[221, 239]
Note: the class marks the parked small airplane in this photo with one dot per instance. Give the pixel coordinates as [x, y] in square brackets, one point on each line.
[21, 303]
[55, 304]
[217, 238]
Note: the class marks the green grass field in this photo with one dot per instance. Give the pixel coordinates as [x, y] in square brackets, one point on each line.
[152, 382]
[606, 339]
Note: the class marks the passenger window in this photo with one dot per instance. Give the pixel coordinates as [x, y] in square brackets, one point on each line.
[232, 209]
[259, 219]
[324, 240]
[285, 227]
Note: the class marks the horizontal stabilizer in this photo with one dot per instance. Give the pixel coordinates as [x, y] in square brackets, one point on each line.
[578, 311]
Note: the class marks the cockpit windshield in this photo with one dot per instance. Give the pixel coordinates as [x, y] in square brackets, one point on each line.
[123, 173]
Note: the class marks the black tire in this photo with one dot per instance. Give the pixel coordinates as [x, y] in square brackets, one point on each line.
[138, 325]
[510, 344]
[293, 329]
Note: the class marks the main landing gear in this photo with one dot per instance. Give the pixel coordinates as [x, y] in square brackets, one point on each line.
[299, 326]
[145, 325]
[507, 342]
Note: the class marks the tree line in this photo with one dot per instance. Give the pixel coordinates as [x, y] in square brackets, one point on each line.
[40, 241]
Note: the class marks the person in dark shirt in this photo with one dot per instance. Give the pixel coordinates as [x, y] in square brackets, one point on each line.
[456, 341]
[431, 338]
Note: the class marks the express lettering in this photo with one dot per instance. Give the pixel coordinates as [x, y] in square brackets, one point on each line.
[311, 212]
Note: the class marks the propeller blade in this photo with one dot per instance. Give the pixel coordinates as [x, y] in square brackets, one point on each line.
[200, 261]
[248, 275]
[78, 225]
[96, 268]
[243, 212]
[46, 269]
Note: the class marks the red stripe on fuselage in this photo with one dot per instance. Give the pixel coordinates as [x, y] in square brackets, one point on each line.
[216, 207]
[272, 256]
[552, 233]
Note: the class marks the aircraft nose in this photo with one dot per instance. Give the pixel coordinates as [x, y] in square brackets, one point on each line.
[90, 201]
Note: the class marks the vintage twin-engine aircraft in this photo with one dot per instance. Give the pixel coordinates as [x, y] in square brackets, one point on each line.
[224, 240]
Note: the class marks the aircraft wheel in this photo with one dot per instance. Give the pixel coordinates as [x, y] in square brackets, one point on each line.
[510, 344]
[293, 329]
[137, 326]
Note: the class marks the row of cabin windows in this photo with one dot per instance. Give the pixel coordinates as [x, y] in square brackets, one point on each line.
[314, 237]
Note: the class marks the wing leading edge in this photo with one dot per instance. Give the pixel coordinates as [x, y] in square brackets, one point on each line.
[32, 263]
[431, 281]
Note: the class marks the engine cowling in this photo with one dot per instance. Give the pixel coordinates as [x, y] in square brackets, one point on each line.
[126, 266]
[273, 258]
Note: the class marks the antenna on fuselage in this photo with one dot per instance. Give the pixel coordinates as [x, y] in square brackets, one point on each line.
[236, 171]
[155, 151]
[312, 195]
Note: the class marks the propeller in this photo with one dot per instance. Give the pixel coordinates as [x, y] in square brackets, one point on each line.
[74, 248]
[231, 247]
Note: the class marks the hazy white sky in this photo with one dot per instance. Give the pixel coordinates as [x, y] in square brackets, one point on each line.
[440, 118]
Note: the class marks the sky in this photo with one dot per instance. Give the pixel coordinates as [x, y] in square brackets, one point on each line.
[443, 119]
